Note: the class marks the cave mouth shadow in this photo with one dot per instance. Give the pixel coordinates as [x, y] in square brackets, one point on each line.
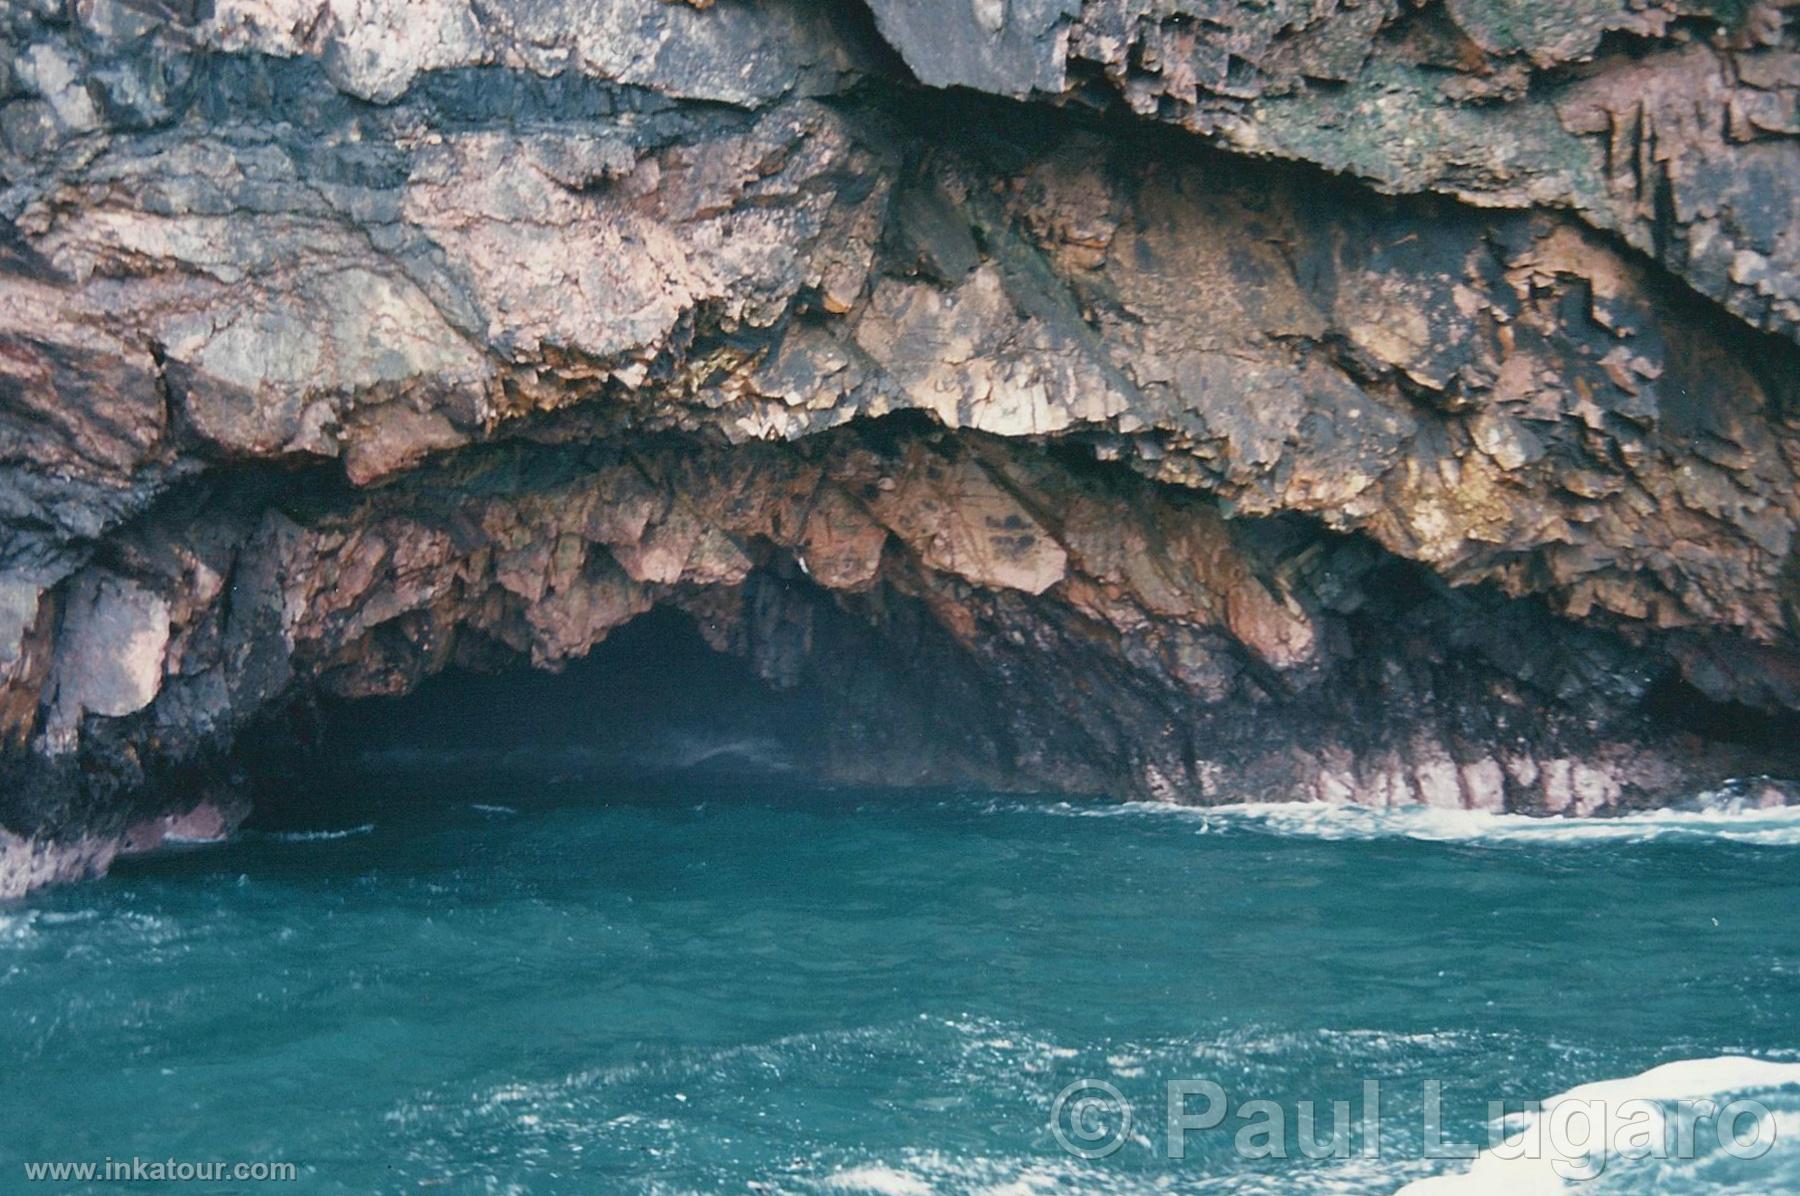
[795, 691]
[652, 704]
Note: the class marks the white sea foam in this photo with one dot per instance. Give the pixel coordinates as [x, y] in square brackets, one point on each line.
[918, 1172]
[1773, 828]
[1545, 1171]
[885, 1181]
[487, 809]
[1707, 819]
[321, 836]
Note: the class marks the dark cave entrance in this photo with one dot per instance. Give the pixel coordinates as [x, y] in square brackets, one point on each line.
[807, 687]
[809, 690]
[652, 698]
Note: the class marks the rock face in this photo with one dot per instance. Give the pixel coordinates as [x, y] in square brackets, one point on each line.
[1393, 401]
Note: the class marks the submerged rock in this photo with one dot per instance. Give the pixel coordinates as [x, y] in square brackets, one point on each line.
[1066, 440]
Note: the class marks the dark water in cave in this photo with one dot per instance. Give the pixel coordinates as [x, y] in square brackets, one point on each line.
[432, 981]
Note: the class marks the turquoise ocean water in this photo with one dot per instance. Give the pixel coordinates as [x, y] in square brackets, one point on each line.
[450, 983]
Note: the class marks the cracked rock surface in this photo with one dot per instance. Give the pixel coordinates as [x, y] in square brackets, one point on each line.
[1389, 402]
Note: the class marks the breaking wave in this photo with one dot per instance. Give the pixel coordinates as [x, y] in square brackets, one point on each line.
[1621, 1123]
[1721, 817]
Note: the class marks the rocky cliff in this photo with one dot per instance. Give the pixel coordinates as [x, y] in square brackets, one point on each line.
[1356, 400]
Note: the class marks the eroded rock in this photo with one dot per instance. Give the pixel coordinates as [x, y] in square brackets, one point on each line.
[345, 342]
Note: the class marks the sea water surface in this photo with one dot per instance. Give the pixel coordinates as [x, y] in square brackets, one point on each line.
[468, 984]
